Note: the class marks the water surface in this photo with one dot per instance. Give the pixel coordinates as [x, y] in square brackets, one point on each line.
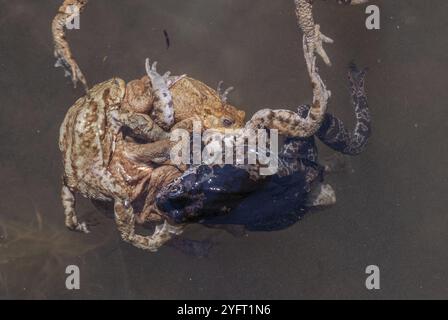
[391, 208]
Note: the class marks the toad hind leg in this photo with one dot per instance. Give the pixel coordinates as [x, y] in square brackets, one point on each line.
[125, 220]
[62, 49]
[333, 131]
[322, 195]
[71, 219]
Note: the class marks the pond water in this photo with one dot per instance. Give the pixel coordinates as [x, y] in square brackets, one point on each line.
[391, 209]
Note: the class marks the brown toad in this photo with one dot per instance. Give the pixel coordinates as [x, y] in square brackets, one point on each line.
[102, 134]
[101, 142]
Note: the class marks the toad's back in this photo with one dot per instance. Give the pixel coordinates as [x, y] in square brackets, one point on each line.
[87, 136]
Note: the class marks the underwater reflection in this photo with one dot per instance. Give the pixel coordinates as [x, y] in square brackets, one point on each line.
[32, 252]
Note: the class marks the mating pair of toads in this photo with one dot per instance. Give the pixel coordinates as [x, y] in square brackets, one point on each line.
[116, 147]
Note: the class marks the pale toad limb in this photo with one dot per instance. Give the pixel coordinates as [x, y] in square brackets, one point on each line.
[290, 123]
[101, 166]
[162, 110]
[71, 219]
[352, 2]
[314, 37]
[62, 51]
[210, 119]
[193, 102]
[66, 60]
[157, 152]
[163, 101]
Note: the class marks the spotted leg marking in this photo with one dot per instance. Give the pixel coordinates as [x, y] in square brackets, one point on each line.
[71, 219]
[314, 38]
[352, 2]
[333, 131]
[223, 95]
[333, 164]
[125, 220]
[62, 51]
[163, 108]
[290, 123]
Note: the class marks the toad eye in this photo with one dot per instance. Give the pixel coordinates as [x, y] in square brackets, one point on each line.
[226, 122]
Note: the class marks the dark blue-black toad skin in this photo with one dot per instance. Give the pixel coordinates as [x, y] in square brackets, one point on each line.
[227, 195]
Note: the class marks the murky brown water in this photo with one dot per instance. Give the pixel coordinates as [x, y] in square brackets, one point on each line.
[391, 208]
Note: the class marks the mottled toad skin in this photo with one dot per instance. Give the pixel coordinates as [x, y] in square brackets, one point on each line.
[194, 100]
[222, 195]
[87, 138]
[103, 156]
[131, 163]
[115, 140]
[89, 135]
[105, 159]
